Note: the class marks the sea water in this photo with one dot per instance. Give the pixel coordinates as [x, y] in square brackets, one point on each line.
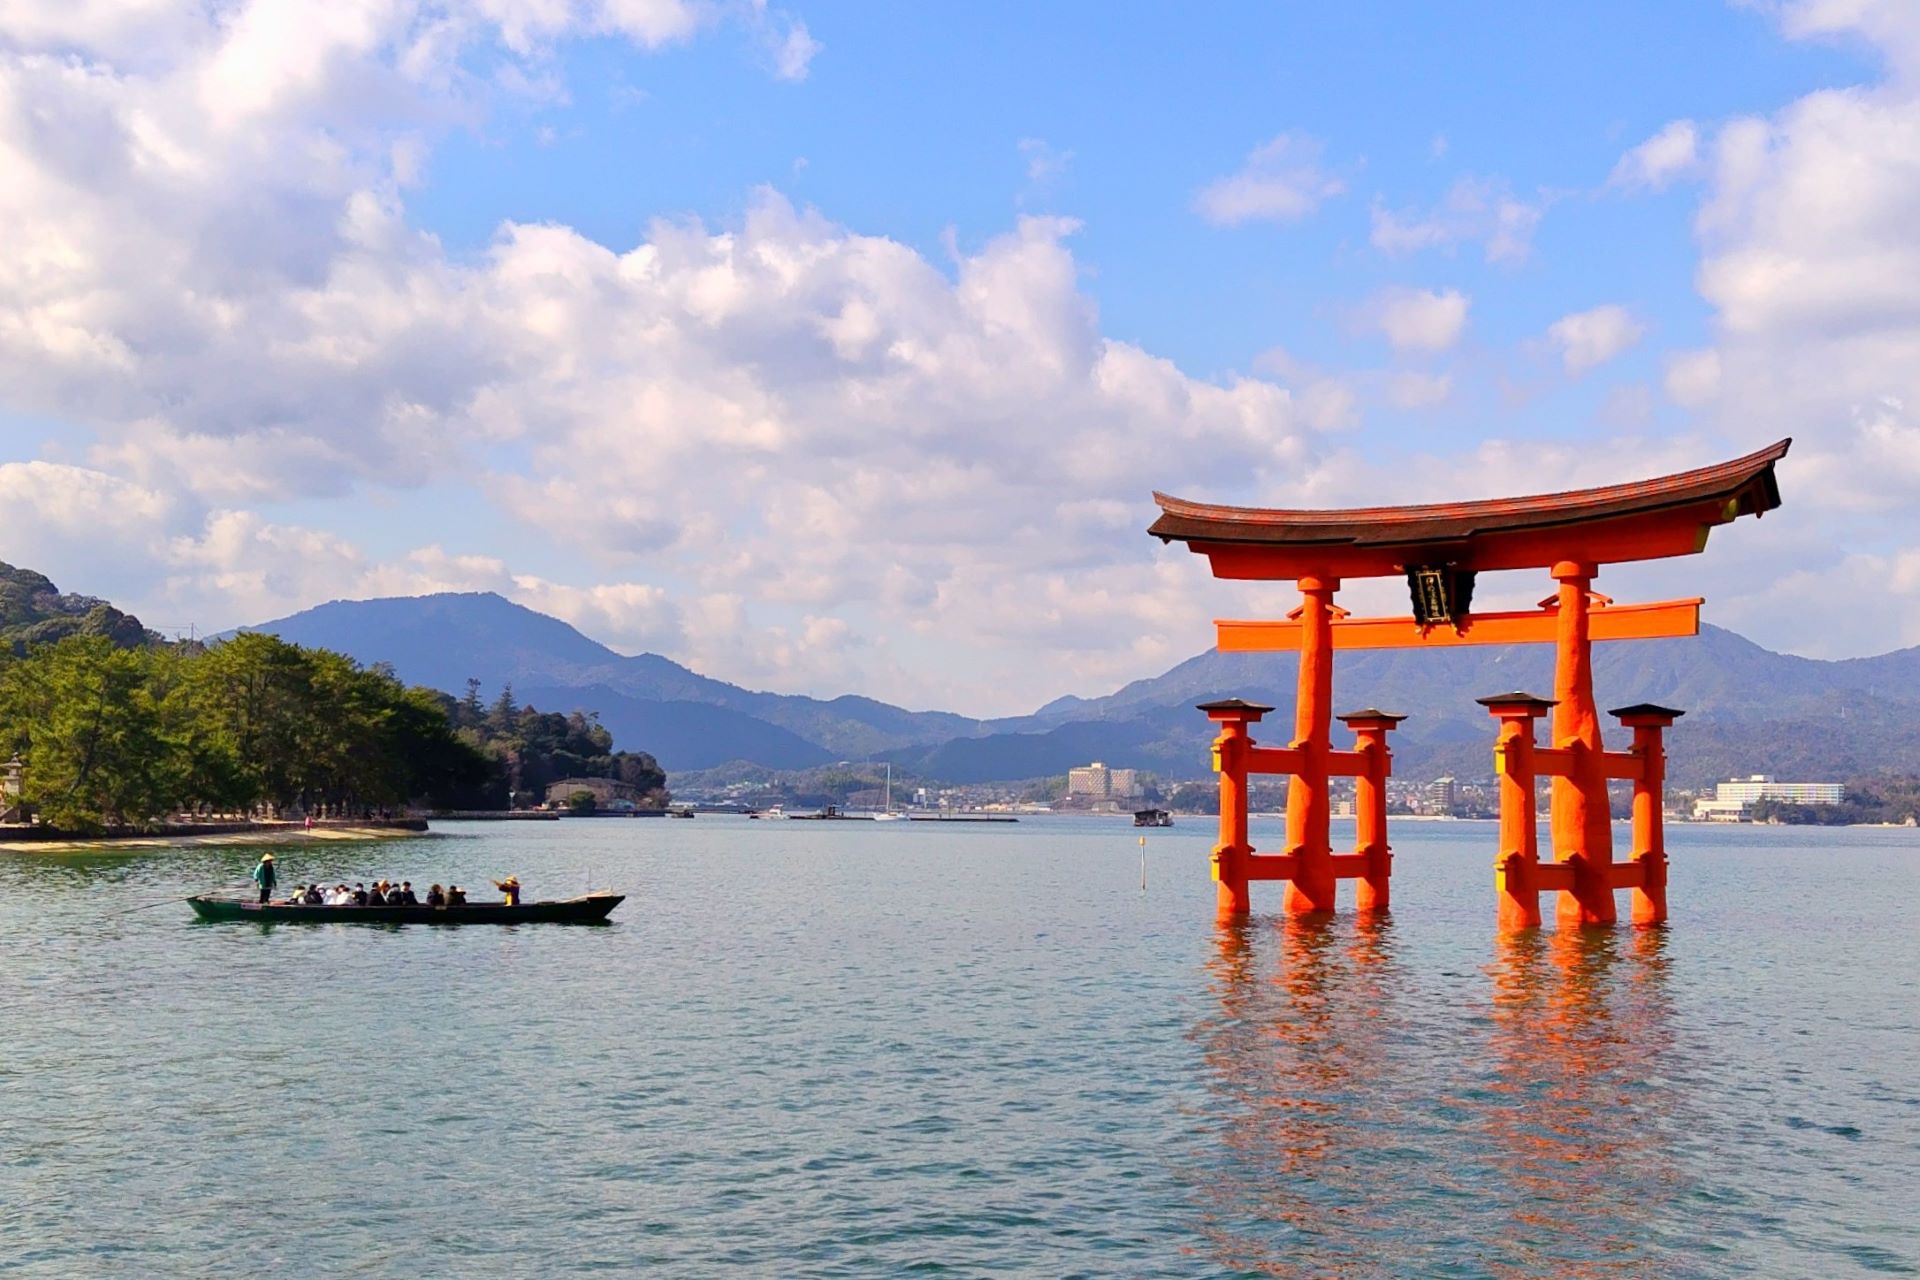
[849, 1049]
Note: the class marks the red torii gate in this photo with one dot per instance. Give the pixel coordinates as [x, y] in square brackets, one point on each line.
[1439, 548]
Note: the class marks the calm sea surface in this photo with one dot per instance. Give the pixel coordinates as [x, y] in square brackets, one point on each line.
[868, 1049]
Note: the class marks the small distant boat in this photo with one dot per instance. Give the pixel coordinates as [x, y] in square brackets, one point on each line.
[770, 814]
[592, 908]
[886, 813]
[1152, 818]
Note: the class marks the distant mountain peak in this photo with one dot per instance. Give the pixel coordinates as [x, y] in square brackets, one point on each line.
[689, 721]
[649, 702]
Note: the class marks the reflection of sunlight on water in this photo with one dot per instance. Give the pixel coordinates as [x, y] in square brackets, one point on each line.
[1366, 1118]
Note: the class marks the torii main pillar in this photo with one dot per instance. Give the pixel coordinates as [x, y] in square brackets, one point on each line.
[1440, 549]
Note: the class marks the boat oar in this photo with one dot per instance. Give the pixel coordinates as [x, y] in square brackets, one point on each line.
[167, 902]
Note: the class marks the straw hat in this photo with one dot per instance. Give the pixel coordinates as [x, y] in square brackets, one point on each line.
[266, 857]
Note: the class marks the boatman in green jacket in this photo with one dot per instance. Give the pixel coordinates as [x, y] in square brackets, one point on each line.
[263, 876]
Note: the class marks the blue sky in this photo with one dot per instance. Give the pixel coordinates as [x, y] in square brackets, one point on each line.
[836, 347]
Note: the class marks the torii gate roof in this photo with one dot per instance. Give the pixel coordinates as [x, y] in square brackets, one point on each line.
[1642, 520]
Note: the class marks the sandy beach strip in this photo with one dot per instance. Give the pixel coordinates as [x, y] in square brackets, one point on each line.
[288, 835]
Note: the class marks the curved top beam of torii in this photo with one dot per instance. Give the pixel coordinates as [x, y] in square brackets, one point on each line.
[1643, 520]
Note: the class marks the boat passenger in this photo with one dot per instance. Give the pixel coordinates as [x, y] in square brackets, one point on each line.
[376, 898]
[313, 896]
[511, 888]
[405, 897]
[436, 896]
[360, 898]
[456, 896]
[340, 896]
[264, 877]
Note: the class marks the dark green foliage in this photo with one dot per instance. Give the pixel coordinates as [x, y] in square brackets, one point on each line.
[581, 801]
[34, 612]
[116, 735]
[530, 750]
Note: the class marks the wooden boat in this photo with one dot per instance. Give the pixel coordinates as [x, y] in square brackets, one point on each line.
[831, 814]
[592, 908]
[1152, 818]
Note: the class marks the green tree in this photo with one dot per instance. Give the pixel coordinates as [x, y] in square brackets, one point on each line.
[95, 738]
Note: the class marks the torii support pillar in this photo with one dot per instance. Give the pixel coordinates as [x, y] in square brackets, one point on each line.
[1236, 757]
[1310, 889]
[1516, 869]
[1648, 723]
[1230, 752]
[1370, 729]
[1519, 875]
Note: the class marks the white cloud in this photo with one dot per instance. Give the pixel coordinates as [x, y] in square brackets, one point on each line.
[1418, 319]
[1693, 377]
[782, 449]
[843, 439]
[1410, 390]
[1891, 26]
[790, 47]
[1281, 181]
[1044, 162]
[1474, 209]
[1587, 339]
[1674, 152]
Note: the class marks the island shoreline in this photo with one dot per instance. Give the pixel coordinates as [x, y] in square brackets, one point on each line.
[188, 835]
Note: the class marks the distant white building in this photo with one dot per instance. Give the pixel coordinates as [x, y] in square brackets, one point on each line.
[1734, 801]
[1096, 782]
[1439, 797]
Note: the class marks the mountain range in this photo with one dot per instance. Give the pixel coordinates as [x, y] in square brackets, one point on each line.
[1749, 710]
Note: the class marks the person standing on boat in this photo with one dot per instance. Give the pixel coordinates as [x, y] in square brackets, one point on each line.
[264, 877]
[511, 888]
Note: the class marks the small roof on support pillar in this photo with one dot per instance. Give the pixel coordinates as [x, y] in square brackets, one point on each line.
[1350, 718]
[1232, 706]
[1533, 702]
[1649, 713]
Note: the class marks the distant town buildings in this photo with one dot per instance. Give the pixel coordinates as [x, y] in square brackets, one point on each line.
[1097, 782]
[1439, 797]
[1734, 801]
[1101, 789]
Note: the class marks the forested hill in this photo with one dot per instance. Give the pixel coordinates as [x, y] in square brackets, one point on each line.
[34, 611]
[119, 727]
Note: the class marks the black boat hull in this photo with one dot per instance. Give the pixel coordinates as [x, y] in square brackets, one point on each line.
[590, 909]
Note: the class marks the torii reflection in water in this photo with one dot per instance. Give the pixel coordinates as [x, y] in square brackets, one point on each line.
[1368, 1116]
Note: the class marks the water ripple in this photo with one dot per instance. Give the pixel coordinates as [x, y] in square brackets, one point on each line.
[960, 1052]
